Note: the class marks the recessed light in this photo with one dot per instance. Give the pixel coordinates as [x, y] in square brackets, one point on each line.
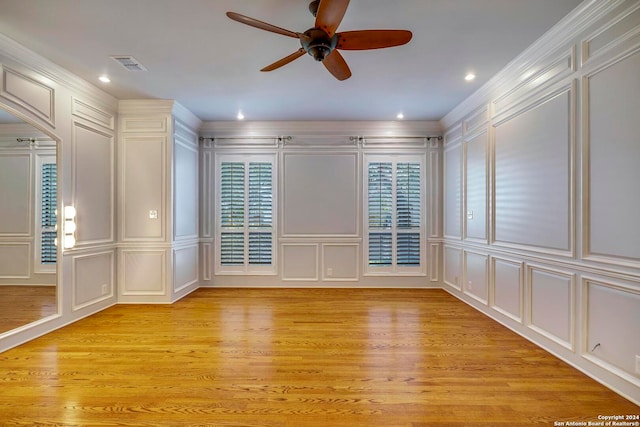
[104, 79]
[400, 116]
[470, 77]
[240, 116]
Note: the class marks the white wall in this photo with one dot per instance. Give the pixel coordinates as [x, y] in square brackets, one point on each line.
[541, 194]
[81, 121]
[158, 201]
[319, 197]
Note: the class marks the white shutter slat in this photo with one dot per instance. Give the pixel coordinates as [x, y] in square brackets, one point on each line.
[48, 204]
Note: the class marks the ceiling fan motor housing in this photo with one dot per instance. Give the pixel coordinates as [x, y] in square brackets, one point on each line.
[318, 44]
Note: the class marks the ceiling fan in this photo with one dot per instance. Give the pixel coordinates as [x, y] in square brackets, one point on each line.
[322, 41]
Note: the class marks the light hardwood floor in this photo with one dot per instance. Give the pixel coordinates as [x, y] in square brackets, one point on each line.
[295, 357]
[20, 305]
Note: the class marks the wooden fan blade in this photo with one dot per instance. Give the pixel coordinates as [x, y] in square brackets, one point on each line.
[261, 25]
[284, 61]
[372, 39]
[330, 14]
[337, 66]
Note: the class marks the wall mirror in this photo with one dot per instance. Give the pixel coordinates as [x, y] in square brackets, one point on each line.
[28, 202]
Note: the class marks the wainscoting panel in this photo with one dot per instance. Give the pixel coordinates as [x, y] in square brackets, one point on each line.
[476, 276]
[453, 267]
[185, 267]
[143, 272]
[552, 304]
[340, 262]
[508, 287]
[300, 262]
[15, 259]
[612, 306]
[93, 278]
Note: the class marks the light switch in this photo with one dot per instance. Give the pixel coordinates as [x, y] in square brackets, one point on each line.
[153, 214]
[469, 214]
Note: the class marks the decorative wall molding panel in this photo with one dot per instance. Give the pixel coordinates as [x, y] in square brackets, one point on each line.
[533, 147]
[29, 93]
[612, 306]
[89, 287]
[617, 35]
[334, 181]
[93, 156]
[453, 267]
[475, 210]
[16, 184]
[185, 268]
[453, 192]
[93, 114]
[142, 188]
[15, 260]
[300, 262]
[507, 296]
[610, 176]
[142, 272]
[552, 304]
[541, 241]
[340, 262]
[476, 275]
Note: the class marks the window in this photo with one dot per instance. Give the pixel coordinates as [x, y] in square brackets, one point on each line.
[245, 221]
[46, 202]
[394, 209]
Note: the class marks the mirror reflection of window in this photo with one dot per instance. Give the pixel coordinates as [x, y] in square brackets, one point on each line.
[28, 202]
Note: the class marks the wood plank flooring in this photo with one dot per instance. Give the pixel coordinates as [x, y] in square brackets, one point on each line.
[295, 357]
[20, 305]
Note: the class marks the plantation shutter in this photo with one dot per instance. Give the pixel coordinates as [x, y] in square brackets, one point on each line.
[48, 202]
[246, 215]
[232, 213]
[394, 224]
[408, 213]
[380, 196]
[260, 213]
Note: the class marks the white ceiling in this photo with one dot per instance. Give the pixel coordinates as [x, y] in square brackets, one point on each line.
[210, 64]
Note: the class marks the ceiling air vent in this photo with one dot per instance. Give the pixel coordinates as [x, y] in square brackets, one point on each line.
[129, 62]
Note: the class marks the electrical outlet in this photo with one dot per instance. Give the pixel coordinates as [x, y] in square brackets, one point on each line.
[637, 364]
[153, 214]
[470, 285]
[329, 272]
[105, 289]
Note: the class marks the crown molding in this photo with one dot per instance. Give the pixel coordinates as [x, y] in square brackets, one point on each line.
[167, 107]
[558, 37]
[19, 54]
[320, 128]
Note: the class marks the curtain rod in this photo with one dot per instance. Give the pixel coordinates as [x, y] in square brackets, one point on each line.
[289, 138]
[218, 138]
[32, 140]
[362, 138]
